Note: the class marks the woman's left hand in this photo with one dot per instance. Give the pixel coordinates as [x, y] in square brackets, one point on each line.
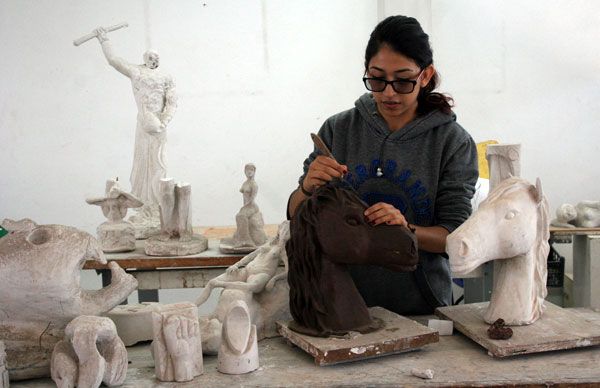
[384, 213]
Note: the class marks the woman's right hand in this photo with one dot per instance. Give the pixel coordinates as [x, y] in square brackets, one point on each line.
[322, 170]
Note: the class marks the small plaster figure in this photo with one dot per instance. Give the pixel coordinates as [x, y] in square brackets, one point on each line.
[238, 353]
[176, 237]
[511, 227]
[255, 279]
[249, 233]
[91, 353]
[177, 347]
[156, 100]
[116, 234]
[586, 214]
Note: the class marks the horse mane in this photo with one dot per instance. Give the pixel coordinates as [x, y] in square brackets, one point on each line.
[541, 248]
[304, 256]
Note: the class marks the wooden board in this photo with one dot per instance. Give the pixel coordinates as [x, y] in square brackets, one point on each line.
[558, 329]
[554, 230]
[399, 334]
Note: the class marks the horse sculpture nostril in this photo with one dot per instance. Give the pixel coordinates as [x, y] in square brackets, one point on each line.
[464, 249]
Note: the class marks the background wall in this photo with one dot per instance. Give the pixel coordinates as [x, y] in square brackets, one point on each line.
[254, 78]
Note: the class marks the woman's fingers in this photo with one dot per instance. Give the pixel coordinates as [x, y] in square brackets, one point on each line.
[381, 213]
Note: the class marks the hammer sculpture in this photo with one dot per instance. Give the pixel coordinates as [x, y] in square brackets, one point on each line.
[92, 35]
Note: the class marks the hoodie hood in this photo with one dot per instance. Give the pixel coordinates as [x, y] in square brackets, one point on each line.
[368, 110]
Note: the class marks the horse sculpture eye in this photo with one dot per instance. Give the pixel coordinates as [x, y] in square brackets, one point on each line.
[510, 215]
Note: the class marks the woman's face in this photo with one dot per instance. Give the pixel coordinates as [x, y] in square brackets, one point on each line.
[391, 65]
[249, 171]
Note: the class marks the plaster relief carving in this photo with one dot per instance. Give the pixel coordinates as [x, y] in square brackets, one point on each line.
[116, 234]
[238, 352]
[91, 353]
[40, 292]
[511, 227]
[177, 347]
[249, 233]
[256, 279]
[176, 237]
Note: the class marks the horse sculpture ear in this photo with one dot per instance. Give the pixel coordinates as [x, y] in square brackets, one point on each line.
[537, 192]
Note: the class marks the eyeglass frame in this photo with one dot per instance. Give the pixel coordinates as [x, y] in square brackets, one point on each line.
[412, 81]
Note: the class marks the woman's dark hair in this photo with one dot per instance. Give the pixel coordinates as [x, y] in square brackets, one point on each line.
[404, 35]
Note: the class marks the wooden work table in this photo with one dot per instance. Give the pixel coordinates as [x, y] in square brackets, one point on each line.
[455, 360]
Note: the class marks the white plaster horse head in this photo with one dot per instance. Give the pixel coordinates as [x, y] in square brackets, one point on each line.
[512, 227]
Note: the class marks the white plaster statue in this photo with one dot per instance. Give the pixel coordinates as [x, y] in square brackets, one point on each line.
[156, 101]
[133, 321]
[40, 292]
[504, 161]
[116, 234]
[586, 214]
[91, 353]
[249, 233]
[177, 347]
[255, 279]
[511, 227]
[3, 371]
[238, 352]
[176, 237]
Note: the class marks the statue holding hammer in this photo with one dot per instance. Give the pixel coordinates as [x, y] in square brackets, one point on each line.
[154, 94]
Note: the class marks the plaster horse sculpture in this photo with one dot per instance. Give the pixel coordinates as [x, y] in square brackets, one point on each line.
[40, 291]
[510, 227]
[91, 353]
[116, 234]
[156, 101]
[259, 281]
[176, 237]
[177, 347]
[249, 233]
[238, 353]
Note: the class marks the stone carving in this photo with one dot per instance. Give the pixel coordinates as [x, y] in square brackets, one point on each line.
[504, 161]
[116, 234]
[586, 214]
[91, 353]
[249, 233]
[177, 347]
[511, 227]
[156, 100]
[3, 371]
[40, 292]
[176, 237]
[134, 321]
[255, 279]
[328, 232]
[238, 352]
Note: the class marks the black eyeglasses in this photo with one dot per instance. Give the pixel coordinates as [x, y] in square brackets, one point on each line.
[401, 85]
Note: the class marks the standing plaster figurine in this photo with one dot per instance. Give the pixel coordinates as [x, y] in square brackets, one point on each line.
[176, 237]
[504, 161]
[40, 291]
[255, 279]
[177, 347]
[154, 94]
[116, 234]
[249, 233]
[238, 353]
[91, 353]
[3, 370]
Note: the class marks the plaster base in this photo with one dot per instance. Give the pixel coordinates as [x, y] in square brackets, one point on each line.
[228, 245]
[156, 247]
[116, 237]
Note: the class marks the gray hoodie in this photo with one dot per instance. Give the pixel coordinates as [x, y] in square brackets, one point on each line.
[429, 170]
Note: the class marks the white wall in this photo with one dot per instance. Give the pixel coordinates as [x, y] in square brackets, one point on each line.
[255, 77]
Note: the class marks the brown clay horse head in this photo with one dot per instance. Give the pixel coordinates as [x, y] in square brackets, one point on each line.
[328, 232]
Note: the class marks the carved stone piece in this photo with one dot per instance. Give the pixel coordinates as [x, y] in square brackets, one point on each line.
[40, 292]
[134, 321]
[504, 161]
[257, 280]
[116, 234]
[176, 237]
[177, 347]
[238, 353]
[511, 227]
[92, 353]
[249, 233]
[586, 214]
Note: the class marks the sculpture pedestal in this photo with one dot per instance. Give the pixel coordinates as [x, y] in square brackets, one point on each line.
[557, 329]
[116, 237]
[398, 334]
[157, 247]
[228, 245]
